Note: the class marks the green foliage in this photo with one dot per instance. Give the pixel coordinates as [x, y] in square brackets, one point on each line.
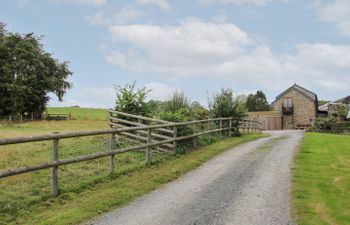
[257, 102]
[28, 74]
[224, 104]
[339, 112]
[130, 100]
[177, 101]
[198, 111]
[155, 106]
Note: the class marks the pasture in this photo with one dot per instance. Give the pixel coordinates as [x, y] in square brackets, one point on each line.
[85, 188]
[321, 183]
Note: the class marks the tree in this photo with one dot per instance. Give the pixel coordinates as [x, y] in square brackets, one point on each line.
[132, 100]
[224, 104]
[28, 74]
[257, 102]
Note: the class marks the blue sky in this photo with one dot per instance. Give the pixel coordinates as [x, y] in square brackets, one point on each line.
[196, 46]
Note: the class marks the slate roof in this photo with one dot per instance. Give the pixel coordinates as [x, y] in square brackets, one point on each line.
[307, 93]
[345, 100]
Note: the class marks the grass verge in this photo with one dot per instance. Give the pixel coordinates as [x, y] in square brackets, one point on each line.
[76, 205]
[321, 182]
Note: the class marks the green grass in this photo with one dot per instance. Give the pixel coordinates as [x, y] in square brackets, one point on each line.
[321, 182]
[86, 189]
[81, 113]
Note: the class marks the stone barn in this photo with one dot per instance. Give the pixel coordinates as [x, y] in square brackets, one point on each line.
[297, 107]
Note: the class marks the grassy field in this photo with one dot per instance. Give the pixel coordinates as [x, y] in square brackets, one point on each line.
[81, 113]
[86, 188]
[321, 183]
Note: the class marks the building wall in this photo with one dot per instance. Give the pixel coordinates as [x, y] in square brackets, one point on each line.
[304, 110]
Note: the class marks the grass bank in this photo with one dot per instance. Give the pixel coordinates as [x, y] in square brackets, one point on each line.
[86, 190]
[321, 182]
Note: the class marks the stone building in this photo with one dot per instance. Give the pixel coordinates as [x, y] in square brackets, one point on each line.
[297, 107]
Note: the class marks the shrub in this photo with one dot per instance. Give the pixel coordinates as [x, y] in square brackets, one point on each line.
[177, 101]
[224, 104]
[130, 100]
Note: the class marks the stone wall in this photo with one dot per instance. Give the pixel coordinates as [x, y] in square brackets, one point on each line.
[304, 110]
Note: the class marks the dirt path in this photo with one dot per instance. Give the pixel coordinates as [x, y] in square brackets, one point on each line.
[247, 185]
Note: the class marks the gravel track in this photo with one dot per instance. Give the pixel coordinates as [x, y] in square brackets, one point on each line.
[246, 185]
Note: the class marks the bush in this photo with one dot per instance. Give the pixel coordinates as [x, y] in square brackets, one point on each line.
[224, 104]
[177, 101]
[130, 100]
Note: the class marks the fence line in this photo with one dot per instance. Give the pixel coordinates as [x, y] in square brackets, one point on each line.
[151, 138]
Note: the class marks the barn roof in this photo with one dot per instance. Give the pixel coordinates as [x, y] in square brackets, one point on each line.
[345, 100]
[309, 94]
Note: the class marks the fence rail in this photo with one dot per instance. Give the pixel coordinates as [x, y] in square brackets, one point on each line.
[162, 135]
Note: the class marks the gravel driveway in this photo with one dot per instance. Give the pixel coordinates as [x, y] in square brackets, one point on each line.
[247, 185]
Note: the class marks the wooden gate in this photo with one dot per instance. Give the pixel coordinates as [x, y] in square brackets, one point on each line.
[271, 122]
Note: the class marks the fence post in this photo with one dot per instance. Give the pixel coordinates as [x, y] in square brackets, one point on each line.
[148, 149]
[110, 120]
[32, 116]
[230, 127]
[112, 159]
[209, 128]
[21, 118]
[54, 171]
[175, 136]
[221, 127]
[194, 140]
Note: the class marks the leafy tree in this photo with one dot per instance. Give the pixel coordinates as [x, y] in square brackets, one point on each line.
[28, 74]
[257, 102]
[132, 100]
[224, 104]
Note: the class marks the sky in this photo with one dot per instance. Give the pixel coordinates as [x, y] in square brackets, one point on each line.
[197, 46]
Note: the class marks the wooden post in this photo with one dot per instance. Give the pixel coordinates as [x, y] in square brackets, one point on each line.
[148, 150]
[112, 159]
[209, 128]
[110, 120]
[70, 115]
[54, 171]
[221, 127]
[32, 116]
[194, 140]
[230, 127]
[174, 136]
[21, 118]
[10, 118]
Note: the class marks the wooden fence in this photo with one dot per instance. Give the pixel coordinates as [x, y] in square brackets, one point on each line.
[162, 135]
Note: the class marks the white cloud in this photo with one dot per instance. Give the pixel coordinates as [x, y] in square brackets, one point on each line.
[240, 2]
[161, 4]
[159, 91]
[223, 51]
[125, 15]
[337, 12]
[82, 2]
[98, 19]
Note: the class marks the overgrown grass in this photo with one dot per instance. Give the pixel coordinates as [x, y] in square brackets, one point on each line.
[86, 189]
[321, 182]
[81, 113]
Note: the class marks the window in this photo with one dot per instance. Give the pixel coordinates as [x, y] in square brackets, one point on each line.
[287, 102]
